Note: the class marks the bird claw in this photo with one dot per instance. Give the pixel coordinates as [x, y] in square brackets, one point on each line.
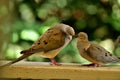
[56, 64]
[53, 62]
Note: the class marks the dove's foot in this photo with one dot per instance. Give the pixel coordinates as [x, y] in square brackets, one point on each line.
[91, 65]
[53, 62]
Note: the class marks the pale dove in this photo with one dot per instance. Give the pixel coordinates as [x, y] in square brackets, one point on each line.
[50, 43]
[93, 52]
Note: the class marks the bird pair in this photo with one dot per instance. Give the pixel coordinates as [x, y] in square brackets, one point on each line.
[57, 37]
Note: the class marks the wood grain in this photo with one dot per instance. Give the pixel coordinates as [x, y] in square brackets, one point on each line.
[67, 71]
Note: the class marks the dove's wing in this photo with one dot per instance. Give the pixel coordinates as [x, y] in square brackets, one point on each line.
[52, 39]
[100, 54]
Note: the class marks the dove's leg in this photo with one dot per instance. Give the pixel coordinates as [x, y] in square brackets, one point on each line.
[53, 62]
[91, 65]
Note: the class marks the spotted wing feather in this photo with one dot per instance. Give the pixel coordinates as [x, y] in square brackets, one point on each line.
[48, 41]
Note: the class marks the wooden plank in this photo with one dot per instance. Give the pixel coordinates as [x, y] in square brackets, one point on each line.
[38, 70]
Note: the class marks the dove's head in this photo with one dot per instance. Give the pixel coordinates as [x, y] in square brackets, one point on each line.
[82, 36]
[69, 30]
[66, 28]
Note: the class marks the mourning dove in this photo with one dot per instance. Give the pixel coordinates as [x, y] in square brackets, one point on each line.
[50, 43]
[93, 52]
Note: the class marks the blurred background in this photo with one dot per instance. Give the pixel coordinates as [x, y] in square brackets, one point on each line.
[23, 21]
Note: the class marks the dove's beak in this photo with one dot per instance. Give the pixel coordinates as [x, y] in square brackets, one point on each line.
[75, 36]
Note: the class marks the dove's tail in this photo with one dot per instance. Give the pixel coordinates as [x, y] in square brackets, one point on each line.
[20, 58]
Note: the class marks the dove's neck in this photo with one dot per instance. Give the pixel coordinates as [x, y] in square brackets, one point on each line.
[67, 40]
[82, 43]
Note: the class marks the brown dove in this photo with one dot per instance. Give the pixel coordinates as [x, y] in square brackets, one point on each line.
[50, 43]
[93, 52]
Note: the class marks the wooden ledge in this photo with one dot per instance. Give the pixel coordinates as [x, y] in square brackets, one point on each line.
[38, 70]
